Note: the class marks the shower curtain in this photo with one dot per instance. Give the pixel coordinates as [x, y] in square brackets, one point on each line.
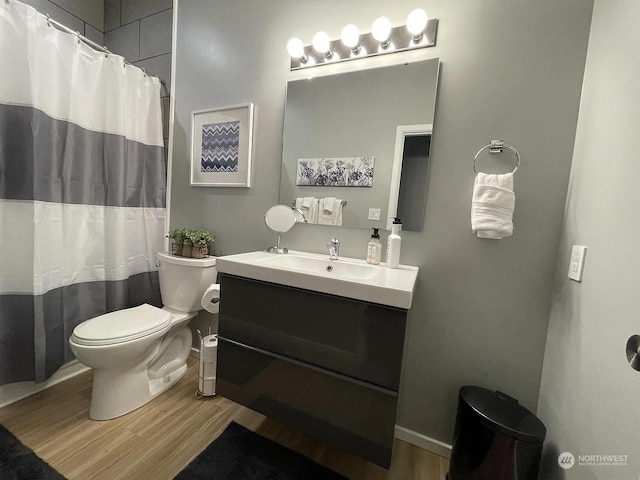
[82, 190]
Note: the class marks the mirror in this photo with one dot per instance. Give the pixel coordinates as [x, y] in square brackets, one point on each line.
[279, 219]
[340, 141]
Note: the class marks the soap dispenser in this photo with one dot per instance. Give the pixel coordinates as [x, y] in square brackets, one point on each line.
[374, 248]
[393, 244]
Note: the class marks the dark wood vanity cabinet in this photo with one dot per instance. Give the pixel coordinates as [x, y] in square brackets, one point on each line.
[328, 365]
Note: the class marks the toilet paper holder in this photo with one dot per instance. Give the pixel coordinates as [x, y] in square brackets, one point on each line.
[207, 360]
[207, 357]
[211, 299]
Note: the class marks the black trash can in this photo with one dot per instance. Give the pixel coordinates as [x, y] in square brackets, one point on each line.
[495, 438]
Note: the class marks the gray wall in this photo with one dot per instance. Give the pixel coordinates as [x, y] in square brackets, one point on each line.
[510, 69]
[589, 396]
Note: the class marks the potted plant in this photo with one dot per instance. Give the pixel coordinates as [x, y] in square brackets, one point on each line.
[187, 244]
[178, 236]
[200, 240]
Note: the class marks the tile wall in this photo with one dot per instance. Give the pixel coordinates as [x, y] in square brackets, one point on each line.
[84, 16]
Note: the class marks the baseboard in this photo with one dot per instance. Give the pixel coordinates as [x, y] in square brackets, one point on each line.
[422, 441]
[13, 392]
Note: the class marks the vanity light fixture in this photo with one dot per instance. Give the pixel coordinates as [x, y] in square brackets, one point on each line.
[350, 36]
[295, 47]
[322, 44]
[381, 30]
[419, 32]
[416, 23]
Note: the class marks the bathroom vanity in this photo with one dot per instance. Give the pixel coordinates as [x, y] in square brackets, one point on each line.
[310, 346]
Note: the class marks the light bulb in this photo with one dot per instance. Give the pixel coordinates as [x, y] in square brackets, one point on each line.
[295, 48]
[322, 44]
[381, 29]
[350, 37]
[416, 22]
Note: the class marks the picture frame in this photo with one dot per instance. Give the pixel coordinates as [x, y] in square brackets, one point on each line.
[222, 146]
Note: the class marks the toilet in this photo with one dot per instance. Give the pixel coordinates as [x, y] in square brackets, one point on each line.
[138, 353]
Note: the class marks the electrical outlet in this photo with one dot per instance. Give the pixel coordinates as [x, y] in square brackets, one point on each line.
[576, 264]
[374, 214]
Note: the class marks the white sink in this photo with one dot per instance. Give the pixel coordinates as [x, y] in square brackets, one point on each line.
[343, 268]
[346, 277]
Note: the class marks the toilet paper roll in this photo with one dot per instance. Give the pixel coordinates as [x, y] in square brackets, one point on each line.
[208, 371]
[209, 349]
[211, 298]
[208, 361]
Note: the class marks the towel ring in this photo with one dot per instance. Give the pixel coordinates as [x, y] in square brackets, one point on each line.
[496, 146]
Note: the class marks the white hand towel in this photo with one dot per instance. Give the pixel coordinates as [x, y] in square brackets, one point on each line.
[337, 212]
[312, 216]
[492, 205]
[334, 218]
[306, 202]
[299, 203]
[327, 205]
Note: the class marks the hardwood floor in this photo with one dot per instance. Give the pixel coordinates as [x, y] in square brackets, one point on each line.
[158, 440]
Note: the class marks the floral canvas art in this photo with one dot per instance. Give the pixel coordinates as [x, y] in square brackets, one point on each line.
[335, 172]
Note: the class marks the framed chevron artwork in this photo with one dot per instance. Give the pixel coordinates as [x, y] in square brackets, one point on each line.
[221, 146]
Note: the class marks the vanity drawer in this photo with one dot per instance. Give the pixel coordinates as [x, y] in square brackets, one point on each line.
[345, 412]
[358, 339]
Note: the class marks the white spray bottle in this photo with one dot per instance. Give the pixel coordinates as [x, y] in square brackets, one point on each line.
[393, 244]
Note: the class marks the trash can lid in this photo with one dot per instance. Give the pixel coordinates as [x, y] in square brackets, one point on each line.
[503, 413]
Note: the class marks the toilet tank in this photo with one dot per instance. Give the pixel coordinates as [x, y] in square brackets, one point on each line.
[184, 280]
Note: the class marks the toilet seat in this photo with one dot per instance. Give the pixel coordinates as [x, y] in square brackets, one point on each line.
[122, 326]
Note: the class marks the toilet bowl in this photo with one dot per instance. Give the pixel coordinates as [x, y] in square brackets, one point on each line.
[138, 353]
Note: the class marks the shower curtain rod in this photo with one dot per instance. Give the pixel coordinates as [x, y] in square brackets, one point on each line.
[93, 44]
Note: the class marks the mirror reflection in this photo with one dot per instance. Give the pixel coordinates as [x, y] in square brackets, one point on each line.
[340, 141]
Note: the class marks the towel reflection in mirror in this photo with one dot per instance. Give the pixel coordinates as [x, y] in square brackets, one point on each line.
[323, 211]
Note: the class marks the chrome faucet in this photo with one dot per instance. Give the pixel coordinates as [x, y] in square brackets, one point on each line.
[334, 249]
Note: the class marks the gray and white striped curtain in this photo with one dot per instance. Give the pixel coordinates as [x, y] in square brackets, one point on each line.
[82, 190]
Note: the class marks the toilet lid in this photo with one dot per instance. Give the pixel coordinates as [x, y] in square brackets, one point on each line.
[122, 325]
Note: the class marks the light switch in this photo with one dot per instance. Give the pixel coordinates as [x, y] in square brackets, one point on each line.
[576, 264]
[374, 214]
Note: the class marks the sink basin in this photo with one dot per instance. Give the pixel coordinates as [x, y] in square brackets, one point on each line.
[343, 268]
[346, 277]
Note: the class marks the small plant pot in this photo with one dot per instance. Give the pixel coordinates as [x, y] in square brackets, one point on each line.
[187, 248]
[199, 251]
[176, 248]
